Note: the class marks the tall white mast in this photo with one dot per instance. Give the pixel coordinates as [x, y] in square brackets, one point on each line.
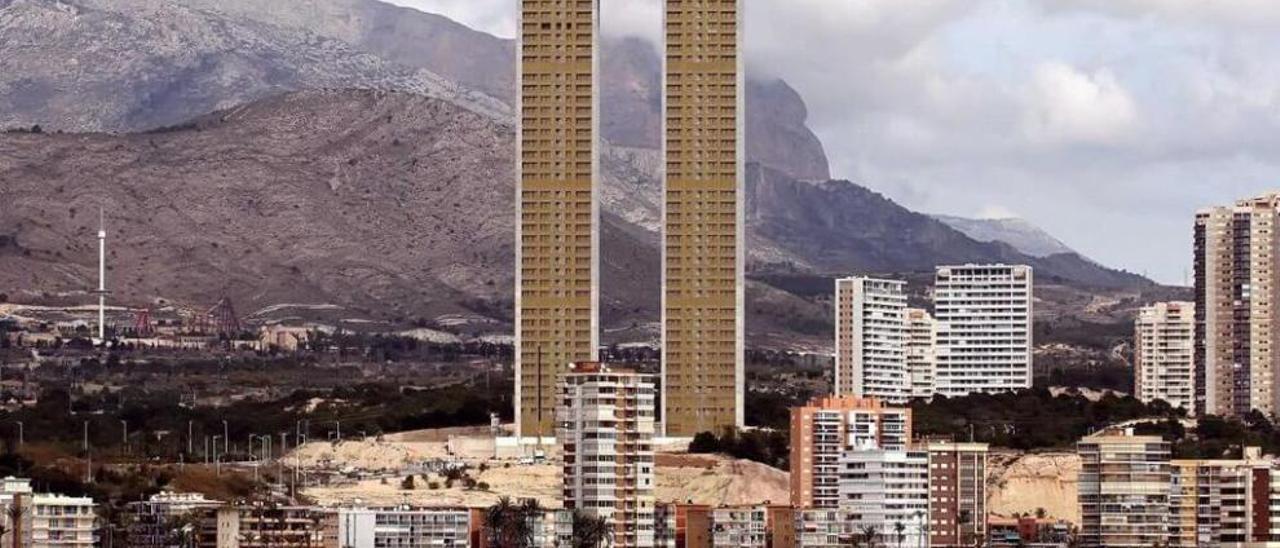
[102, 277]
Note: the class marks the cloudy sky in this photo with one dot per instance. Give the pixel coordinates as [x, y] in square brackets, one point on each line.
[1107, 122]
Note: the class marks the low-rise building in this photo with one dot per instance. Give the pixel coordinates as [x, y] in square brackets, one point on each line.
[409, 527]
[263, 526]
[45, 520]
[165, 517]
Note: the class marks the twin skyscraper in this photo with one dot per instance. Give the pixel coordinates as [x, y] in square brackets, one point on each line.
[558, 230]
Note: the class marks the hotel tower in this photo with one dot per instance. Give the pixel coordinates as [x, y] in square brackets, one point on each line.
[557, 236]
[702, 257]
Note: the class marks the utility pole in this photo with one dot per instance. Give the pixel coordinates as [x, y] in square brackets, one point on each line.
[217, 465]
[189, 440]
[226, 438]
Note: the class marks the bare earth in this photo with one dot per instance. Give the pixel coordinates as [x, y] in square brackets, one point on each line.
[1017, 483]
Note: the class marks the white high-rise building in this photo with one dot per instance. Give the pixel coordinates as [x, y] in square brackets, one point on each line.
[921, 350]
[605, 428]
[881, 489]
[1163, 361]
[983, 315]
[870, 339]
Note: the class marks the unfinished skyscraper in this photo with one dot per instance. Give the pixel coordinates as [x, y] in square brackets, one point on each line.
[557, 239]
[702, 259]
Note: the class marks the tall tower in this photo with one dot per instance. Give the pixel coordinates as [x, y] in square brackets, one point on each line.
[557, 241]
[702, 258]
[102, 276]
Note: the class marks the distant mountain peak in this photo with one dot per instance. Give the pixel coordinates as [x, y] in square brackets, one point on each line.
[1019, 233]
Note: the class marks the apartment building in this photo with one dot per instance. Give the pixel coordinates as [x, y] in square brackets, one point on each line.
[409, 527]
[703, 254]
[154, 519]
[871, 337]
[881, 490]
[1163, 358]
[264, 526]
[822, 528]
[605, 428]
[921, 352]
[984, 329]
[1125, 489]
[557, 171]
[827, 427]
[957, 493]
[45, 520]
[1236, 332]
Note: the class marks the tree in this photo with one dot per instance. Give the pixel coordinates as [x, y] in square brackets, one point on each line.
[869, 535]
[900, 532]
[407, 484]
[15, 513]
[507, 525]
[590, 531]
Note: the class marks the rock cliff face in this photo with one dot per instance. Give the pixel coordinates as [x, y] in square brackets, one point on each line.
[395, 206]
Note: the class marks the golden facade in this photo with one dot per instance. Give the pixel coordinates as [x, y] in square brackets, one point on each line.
[703, 229]
[557, 238]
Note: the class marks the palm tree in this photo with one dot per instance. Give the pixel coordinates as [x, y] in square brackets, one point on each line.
[590, 531]
[507, 525]
[869, 534]
[900, 532]
[15, 513]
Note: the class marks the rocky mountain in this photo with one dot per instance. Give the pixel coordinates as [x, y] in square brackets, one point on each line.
[391, 206]
[130, 65]
[126, 65]
[1019, 233]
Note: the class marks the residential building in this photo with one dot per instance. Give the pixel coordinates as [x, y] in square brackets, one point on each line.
[1224, 502]
[263, 526]
[921, 350]
[984, 329]
[827, 427]
[957, 493]
[157, 519]
[605, 428]
[822, 528]
[888, 492]
[1237, 331]
[1163, 362]
[409, 527]
[557, 174]
[45, 520]
[1016, 532]
[1125, 489]
[703, 255]
[58, 521]
[871, 338]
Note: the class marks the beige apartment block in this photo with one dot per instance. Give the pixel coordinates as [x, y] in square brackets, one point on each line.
[703, 251]
[1236, 362]
[557, 251]
[825, 429]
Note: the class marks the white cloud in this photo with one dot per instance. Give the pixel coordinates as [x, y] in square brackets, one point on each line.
[496, 17]
[1067, 106]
